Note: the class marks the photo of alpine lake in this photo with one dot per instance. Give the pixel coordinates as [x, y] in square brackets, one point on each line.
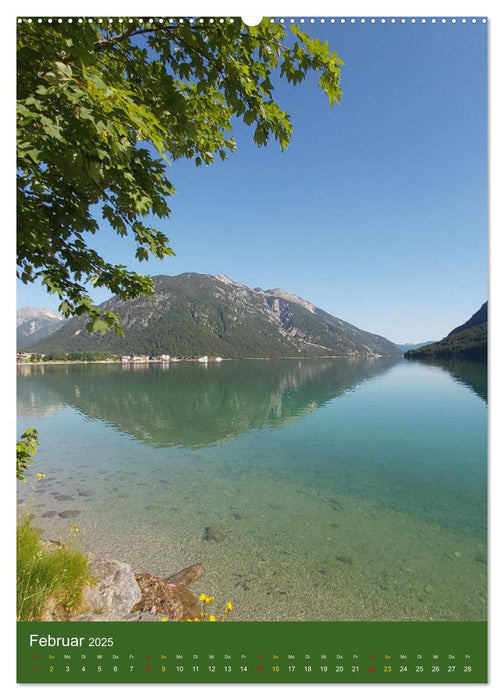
[311, 489]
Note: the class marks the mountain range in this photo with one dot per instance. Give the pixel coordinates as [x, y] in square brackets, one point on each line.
[35, 324]
[191, 315]
[469, 341]
[413, 346]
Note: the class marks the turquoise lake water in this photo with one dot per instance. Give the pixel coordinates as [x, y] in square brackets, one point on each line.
[340, 489]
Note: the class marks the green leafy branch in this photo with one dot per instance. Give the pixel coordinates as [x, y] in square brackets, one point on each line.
[26, 448]
[100, 118]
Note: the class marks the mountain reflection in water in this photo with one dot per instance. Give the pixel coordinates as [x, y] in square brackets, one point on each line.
[192, 405]
[472, 373]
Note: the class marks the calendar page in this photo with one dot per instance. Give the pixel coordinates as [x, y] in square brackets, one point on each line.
[252, 349]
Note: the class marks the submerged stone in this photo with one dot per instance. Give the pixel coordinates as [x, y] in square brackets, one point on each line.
[343, 558]
[335, 504]
[213, 534]
[69, 513]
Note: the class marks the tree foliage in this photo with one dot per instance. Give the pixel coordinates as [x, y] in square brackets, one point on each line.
[102, 111]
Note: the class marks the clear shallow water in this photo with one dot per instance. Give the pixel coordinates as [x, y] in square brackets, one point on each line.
[343, 489]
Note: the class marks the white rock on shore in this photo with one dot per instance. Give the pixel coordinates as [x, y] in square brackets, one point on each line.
[115, 594]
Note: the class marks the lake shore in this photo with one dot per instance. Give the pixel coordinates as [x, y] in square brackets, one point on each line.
[341, 559]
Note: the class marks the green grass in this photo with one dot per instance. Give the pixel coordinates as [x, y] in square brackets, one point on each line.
[47, 579]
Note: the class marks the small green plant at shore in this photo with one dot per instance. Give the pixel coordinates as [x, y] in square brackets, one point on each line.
[26, 448]
[48, 580]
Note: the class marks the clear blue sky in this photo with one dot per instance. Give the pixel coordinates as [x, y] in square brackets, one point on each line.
[376, 212]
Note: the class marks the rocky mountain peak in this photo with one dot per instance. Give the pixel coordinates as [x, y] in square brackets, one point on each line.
[192, 315]
[36, 324]
[30, 313]
[289, 296]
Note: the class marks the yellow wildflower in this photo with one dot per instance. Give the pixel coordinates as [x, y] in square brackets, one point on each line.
[165, 619]
[207, 599]
[229, 606]
[211, 618]
[40, 476]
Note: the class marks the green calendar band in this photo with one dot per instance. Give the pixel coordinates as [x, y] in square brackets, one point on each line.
[252, 652]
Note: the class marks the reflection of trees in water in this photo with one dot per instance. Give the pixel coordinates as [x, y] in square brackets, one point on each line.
[472, 373]
[196, 405]
[36, 400]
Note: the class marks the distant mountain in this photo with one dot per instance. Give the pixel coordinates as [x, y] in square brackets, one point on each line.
[413, 346]
[35, 324]
[191, 315]
[468, 341]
